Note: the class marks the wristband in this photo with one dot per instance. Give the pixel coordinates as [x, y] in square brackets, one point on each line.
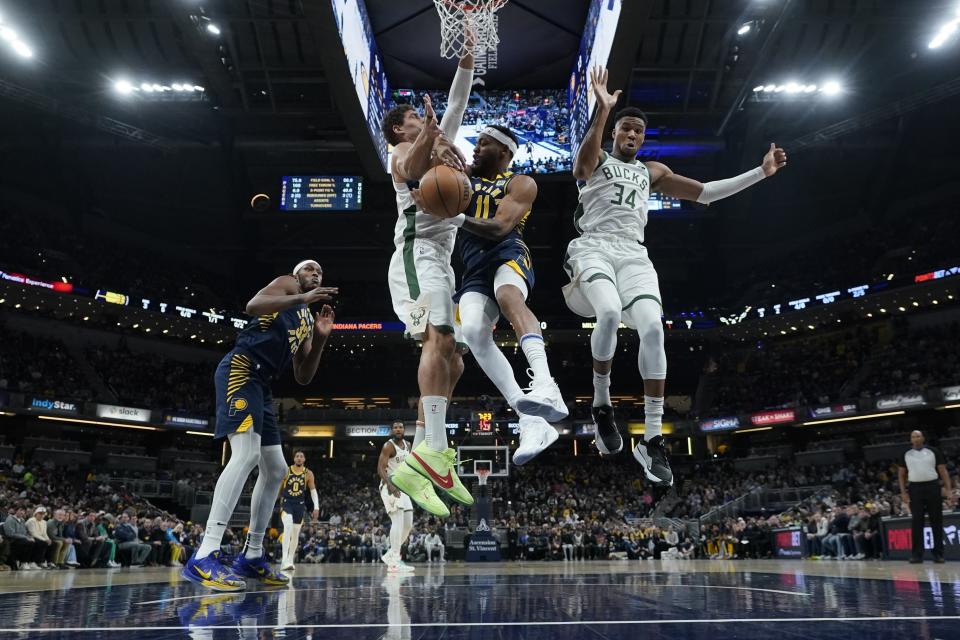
[458, 220]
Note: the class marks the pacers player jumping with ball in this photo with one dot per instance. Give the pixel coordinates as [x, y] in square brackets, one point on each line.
[611, 276]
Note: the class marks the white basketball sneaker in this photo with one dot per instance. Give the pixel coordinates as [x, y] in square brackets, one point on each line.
[544, 400]
[536, 434]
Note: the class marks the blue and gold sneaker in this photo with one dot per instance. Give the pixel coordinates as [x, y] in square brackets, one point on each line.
[210, 572]
[209, 610]
[259, 569]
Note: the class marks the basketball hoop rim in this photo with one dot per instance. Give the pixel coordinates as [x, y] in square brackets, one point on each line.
[492, 7]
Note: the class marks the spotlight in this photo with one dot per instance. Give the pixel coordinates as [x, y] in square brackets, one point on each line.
[177, 86]
[197, 88]
[944, 34]
[831, 88]
[8, 34]
[22, 50]
[146, 86]
[123, 87]
[770, 87]
[810, 88]
[156, 87]
[779, 88]
[214, 29]
[793, 87]
[744, 30]
[758, 89]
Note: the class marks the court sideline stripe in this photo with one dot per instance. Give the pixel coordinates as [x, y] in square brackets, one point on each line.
[484, 624]
[461, 586]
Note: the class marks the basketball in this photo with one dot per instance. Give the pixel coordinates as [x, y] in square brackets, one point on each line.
[446, 192]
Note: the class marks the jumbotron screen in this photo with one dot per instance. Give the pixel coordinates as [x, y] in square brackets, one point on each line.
[539, 118]
[321, 193]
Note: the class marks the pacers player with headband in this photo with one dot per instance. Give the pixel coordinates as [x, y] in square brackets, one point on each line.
[293, 506]
[498, 276]
[282, 331]
[611, 276]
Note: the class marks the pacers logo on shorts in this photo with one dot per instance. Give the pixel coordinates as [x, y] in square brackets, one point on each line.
[237, 404]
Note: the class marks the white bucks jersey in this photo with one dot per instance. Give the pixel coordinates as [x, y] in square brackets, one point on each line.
[614, 199]
[413, 223]
[398, 459]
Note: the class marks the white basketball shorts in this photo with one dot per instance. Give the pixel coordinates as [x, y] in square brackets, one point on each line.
[623, 262]
[393, 503]
[422, 283]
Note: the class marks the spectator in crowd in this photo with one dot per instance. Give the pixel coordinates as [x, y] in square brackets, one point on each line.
[433, 543]
[27, 551]
[127, 537]
[37, 529]
[56, 532]
[94, 551]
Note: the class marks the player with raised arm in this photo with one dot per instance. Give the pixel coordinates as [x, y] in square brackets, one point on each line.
[611, 276]
[498, 276]
[422, 285]
[282, 330]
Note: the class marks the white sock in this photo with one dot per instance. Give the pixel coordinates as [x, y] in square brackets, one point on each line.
[254, 545]
[532, 345]
[653, 417]
[212, 538]
[419, 434]
[601, 389]
[435, 419]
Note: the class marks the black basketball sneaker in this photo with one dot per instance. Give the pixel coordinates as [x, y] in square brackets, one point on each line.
[609, 440]
[653, 457]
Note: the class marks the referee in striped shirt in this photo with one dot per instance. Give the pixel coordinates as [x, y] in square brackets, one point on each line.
[920, 473]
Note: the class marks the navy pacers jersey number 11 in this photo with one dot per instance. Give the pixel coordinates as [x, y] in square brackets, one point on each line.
[481, 256]
[263, 350]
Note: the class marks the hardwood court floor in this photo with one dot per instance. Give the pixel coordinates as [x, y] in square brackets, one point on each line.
[597, 600]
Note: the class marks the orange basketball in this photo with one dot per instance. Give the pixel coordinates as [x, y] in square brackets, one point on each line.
[446, 192]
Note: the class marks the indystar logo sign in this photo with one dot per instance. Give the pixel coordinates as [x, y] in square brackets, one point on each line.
[45, 404]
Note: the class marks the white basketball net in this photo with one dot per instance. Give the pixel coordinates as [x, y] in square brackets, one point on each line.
[482, 476]
[458, 19]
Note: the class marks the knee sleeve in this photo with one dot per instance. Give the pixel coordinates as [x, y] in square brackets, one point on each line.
[506, 275]
[478, 315]
[605, 300]
[652, 360]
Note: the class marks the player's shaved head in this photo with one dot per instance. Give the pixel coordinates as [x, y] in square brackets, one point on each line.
[630, 112]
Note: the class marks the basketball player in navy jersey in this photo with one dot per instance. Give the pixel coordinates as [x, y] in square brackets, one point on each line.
[282, 330]
[498, 277]
[293, 506]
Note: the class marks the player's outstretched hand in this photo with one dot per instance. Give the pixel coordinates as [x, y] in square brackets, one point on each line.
[320, 294]
[598, 80]
[430, 117]
[775, 160]
[323, 321]
[449, 155]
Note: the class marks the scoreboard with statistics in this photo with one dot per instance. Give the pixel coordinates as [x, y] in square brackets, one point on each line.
[321, 193]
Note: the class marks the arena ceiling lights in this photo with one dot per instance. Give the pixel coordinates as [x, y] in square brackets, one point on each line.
[947, 30]
[13, 41]
[792, 90]
[180, 91]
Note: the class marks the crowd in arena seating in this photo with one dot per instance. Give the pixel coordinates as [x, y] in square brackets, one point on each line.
[563, 510]
[155, 381]
[40, 366]
[864, 362]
